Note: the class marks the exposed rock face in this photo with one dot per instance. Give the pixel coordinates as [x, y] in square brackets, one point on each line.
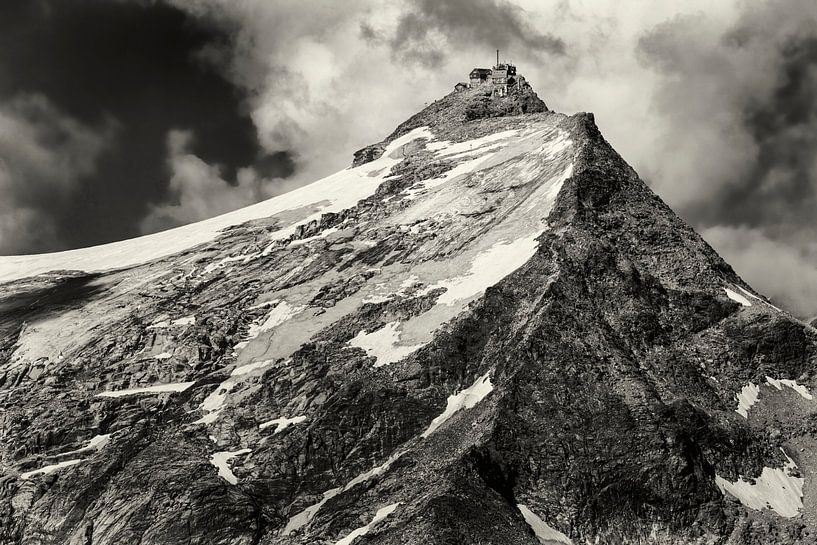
[488, 331]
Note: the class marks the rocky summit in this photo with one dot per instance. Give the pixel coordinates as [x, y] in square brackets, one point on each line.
[488, 330]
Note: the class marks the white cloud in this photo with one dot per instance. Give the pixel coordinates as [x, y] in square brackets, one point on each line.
[781, 272]
[198, 190]
[43, 156]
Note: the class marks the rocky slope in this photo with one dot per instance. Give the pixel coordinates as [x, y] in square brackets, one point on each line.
[488, 330]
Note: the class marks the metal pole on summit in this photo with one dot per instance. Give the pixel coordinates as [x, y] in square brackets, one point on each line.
[497, 58]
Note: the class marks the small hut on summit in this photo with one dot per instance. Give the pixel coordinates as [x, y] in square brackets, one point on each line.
[502, 76]
[480, 75]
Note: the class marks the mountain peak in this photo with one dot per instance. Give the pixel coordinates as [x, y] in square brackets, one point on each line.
[489, 330]
[481, 98]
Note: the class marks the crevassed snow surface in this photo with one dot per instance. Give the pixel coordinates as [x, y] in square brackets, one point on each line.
[775, 489]
[221, 460]
[158, 388]
[336, 192]
[463, 400]
[50, 468]
[544, 533]
[381, 514]
[281, 423]
[382, 344]
[738, 298]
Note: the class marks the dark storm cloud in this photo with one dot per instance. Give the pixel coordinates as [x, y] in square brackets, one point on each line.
[125, 74]
[490, 23]
[781, 191]
[749, 93]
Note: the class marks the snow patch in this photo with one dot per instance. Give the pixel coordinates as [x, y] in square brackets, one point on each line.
[363, 530]
[187, 320]
[334, 193]
[775, 489]
[98, 442]
[544, 532]
[738, 298]
[282, 312]
[487, 269]
[282, 423]
[799, 388]
[382, 344]
[49, 468]
[163, 356]
[157, 389]
[753, 296]
[748, 395]
[746, 398]
[214, 403]
[465, 399]
[376, 299]
[221, 461]
[307, 240]
[301, 519]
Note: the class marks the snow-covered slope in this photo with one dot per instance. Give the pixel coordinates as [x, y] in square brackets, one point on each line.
[331, 194]
[488, 330]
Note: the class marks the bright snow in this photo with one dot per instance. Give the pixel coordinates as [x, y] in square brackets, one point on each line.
[301, 519]
[775, 489]
[799, 388]
[487, 269]
[748, 395]
[746, 398]
[544, 533]
[156, 389]
[331, 194]
[50, 468]
[187, 320]
[221, 461]
[363, 530]
[735, 296]
[382, 344]
[282, 423]
[282, 312]
[463, 400]
[214, 403]
[97, 443]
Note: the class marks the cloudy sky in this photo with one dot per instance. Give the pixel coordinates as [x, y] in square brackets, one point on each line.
[123, 117]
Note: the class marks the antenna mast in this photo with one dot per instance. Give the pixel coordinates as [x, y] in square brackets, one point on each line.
[497, 57]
